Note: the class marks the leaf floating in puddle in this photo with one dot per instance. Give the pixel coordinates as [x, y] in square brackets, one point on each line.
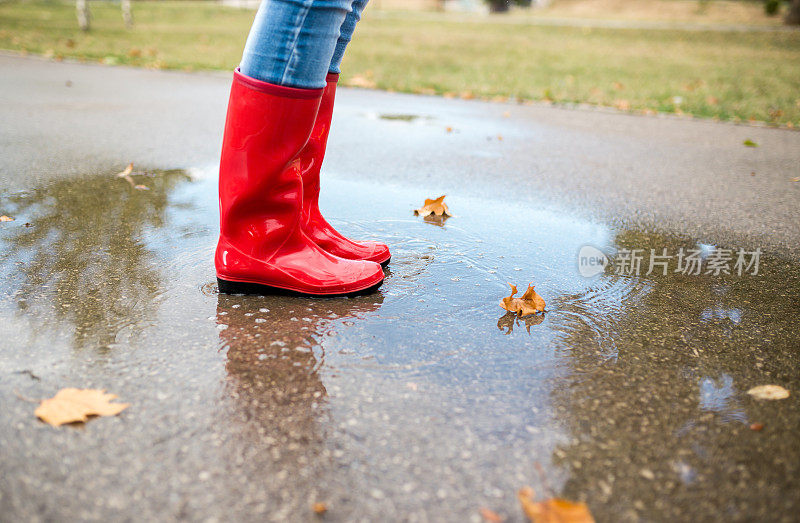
[436, 207]
[529, 303]
[5, 218]
[554, 510]
[128, 170]
[769, 392]
[126, 174]
[76, 405]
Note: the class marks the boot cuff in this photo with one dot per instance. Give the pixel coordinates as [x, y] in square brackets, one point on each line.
[274, 89]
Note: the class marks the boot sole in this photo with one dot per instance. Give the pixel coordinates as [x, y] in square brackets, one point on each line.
[237, 287]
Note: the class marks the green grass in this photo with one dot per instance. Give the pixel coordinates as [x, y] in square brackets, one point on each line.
[726, 75]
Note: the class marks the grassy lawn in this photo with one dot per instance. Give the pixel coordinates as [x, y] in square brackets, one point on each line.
[726, 75]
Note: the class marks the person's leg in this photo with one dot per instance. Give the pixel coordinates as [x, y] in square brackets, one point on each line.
[311, 158]
[292, 42]
[346, 34]
[272, 110]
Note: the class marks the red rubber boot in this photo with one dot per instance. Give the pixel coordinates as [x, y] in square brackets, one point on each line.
[262, 248]
[314, 224]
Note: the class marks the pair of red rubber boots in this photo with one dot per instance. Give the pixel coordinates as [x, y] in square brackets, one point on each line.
[273, 238]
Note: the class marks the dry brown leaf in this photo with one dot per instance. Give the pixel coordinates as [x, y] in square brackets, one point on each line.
[126, 174]
[361, 81]
[769, 392]
[622, 105]
[5, 218]
[76, 405]
[319, 507]
[554, 510]
[529, 303]
[128, 170]
[490, 515]
[436, 207]
[756, 426]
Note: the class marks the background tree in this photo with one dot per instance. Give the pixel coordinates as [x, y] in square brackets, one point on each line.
[793, 16]
[85, 16]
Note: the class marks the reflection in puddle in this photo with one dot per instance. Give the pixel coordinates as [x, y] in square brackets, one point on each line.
[424, 398]
[401, 117]
[84, 256]
[509, 320]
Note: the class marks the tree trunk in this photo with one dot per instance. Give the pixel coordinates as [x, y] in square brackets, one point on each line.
[498, 6]
[127, 14]
[84, 15]
[793, 16]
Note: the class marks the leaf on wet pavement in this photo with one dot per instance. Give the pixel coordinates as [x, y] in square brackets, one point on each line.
[5, 218]
[76, 405]
[554, 510]
[529, 303]
[126, 174]
[769, 392]
[128, 170]
[750, 143]
[490, 515]
[319, 508]
[436, 207]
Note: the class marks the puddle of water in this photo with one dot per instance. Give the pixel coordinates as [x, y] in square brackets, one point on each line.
[424, 399]
[402, 117]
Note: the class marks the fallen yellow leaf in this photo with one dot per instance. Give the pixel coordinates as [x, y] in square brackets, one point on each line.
[622, 105]
[769, 392]
[436, 207]
[128, 170]
[529, 303]
[5, 218]
[361, 81]
[490, 515]
[554, 510]
[319, 508]
[76, 405]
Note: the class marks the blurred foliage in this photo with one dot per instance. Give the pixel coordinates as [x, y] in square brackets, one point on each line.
[730, 75]
[771, 7]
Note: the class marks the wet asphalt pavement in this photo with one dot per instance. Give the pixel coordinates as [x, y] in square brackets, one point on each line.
[424, 401]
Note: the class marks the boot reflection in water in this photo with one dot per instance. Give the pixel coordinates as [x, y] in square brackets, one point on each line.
[273, 238]
[271, 363]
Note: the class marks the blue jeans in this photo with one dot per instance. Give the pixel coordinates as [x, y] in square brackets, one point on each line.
[296, 43]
